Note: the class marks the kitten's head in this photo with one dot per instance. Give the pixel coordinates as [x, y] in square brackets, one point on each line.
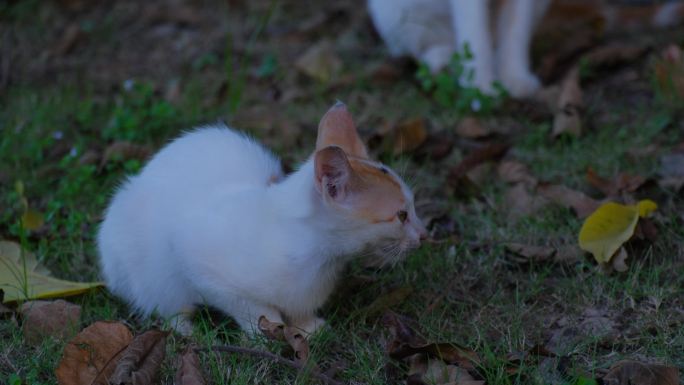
[366, 193]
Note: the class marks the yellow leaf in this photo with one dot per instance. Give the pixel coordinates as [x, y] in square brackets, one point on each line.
[34, 281]
[611, 225]
[646, 207]
[32, 220]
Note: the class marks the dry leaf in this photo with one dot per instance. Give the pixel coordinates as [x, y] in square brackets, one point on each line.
[91, 356]
[610, 188]
[140, 362]
[299, 344]
[614, 54]
[40, 284]
[611, 225]
[293, 336]
[404, 344]
[68, 40]
[636, 373]
[512, 171]
[520, 203]
[485, 154]
[189, 371]
[58, 319]
[472, 128]
[123, 150]
[388, 300]
[320, 61]
[566, 197]
[568, 115]
[409, 136]
[531, 252]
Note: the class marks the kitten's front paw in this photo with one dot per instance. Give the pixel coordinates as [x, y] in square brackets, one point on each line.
[310, 326]
[520, 84]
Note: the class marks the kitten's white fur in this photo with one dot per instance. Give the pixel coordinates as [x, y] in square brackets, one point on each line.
[433, 30]
[202, 224]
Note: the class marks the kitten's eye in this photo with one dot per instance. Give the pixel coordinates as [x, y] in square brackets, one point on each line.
[402, 215]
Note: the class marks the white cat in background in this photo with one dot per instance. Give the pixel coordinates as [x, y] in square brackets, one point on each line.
[211, 219]
[433, 30]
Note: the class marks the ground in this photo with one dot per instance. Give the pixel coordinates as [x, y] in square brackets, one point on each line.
[76, 77]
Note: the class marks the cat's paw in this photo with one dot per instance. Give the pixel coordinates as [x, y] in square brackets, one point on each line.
[437, 57]
[520, 84]
[310, 326]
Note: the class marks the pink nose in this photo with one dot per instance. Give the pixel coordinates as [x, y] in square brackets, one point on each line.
[422, 232]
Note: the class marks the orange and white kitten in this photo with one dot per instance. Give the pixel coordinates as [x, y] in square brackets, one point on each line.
[433, 30]
[211, 219]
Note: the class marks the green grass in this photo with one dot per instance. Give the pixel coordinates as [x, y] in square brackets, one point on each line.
[466, 292]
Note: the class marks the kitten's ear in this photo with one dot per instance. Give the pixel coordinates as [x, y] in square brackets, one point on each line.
[333, 173]
[337, 129]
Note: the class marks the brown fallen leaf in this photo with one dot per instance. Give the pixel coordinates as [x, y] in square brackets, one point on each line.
[582, 204]
[320, 61]
[68, 40]
[424, 371]
[409, 135]
[637, 373]
[140, 362]
[530, 253]
[387, 300]
[404, 344]
[512, 171]
[41, 319]
[123, 150]
[472, 128]
[567, 118]
[299, 344]
[614, 54]
[519, 202]
[610, 188]
[91, 356]
[518, 359]
[189, 371]
[485, 154]
[292, 335]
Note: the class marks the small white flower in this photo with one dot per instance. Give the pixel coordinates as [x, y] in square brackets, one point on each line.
[57, 135]
[128, 84]
[475, 105]
[73, 152]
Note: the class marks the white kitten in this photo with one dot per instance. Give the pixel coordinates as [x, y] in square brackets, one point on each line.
[211, 219]
[433, 30]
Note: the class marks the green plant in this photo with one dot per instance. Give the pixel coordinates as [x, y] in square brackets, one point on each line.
[449, 87]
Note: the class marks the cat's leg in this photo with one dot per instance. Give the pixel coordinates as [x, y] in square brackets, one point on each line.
[516, 23]
[471, 25]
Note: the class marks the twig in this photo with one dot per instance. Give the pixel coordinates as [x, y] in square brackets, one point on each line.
[268, 355]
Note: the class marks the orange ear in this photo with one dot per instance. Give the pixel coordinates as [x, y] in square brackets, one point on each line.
[337, 129]
[333, 172]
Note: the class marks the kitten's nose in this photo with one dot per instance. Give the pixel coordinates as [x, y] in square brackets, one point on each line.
[422, 232]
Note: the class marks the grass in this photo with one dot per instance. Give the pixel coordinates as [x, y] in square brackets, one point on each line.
[466, 292]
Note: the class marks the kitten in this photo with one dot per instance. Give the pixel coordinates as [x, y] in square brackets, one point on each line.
[212, 219]
[433, 30]
[499, 32]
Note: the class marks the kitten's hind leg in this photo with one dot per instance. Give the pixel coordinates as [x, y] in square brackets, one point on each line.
[516, 23]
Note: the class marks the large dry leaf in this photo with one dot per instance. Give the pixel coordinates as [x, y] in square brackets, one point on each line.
[512, 171]
[611, 225]
[35, 281]
[58, 319]
[409, 135]
[519, 202]
[405, 344]
[530, 253]
[622, 183]
[320, 61]
[582, 204]
[487, 153]
[472, 128]
[637, 373]
[140, 362]
[424, 371]
[91, 356]
[189, 371]
[568, 115]
[293, 336]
